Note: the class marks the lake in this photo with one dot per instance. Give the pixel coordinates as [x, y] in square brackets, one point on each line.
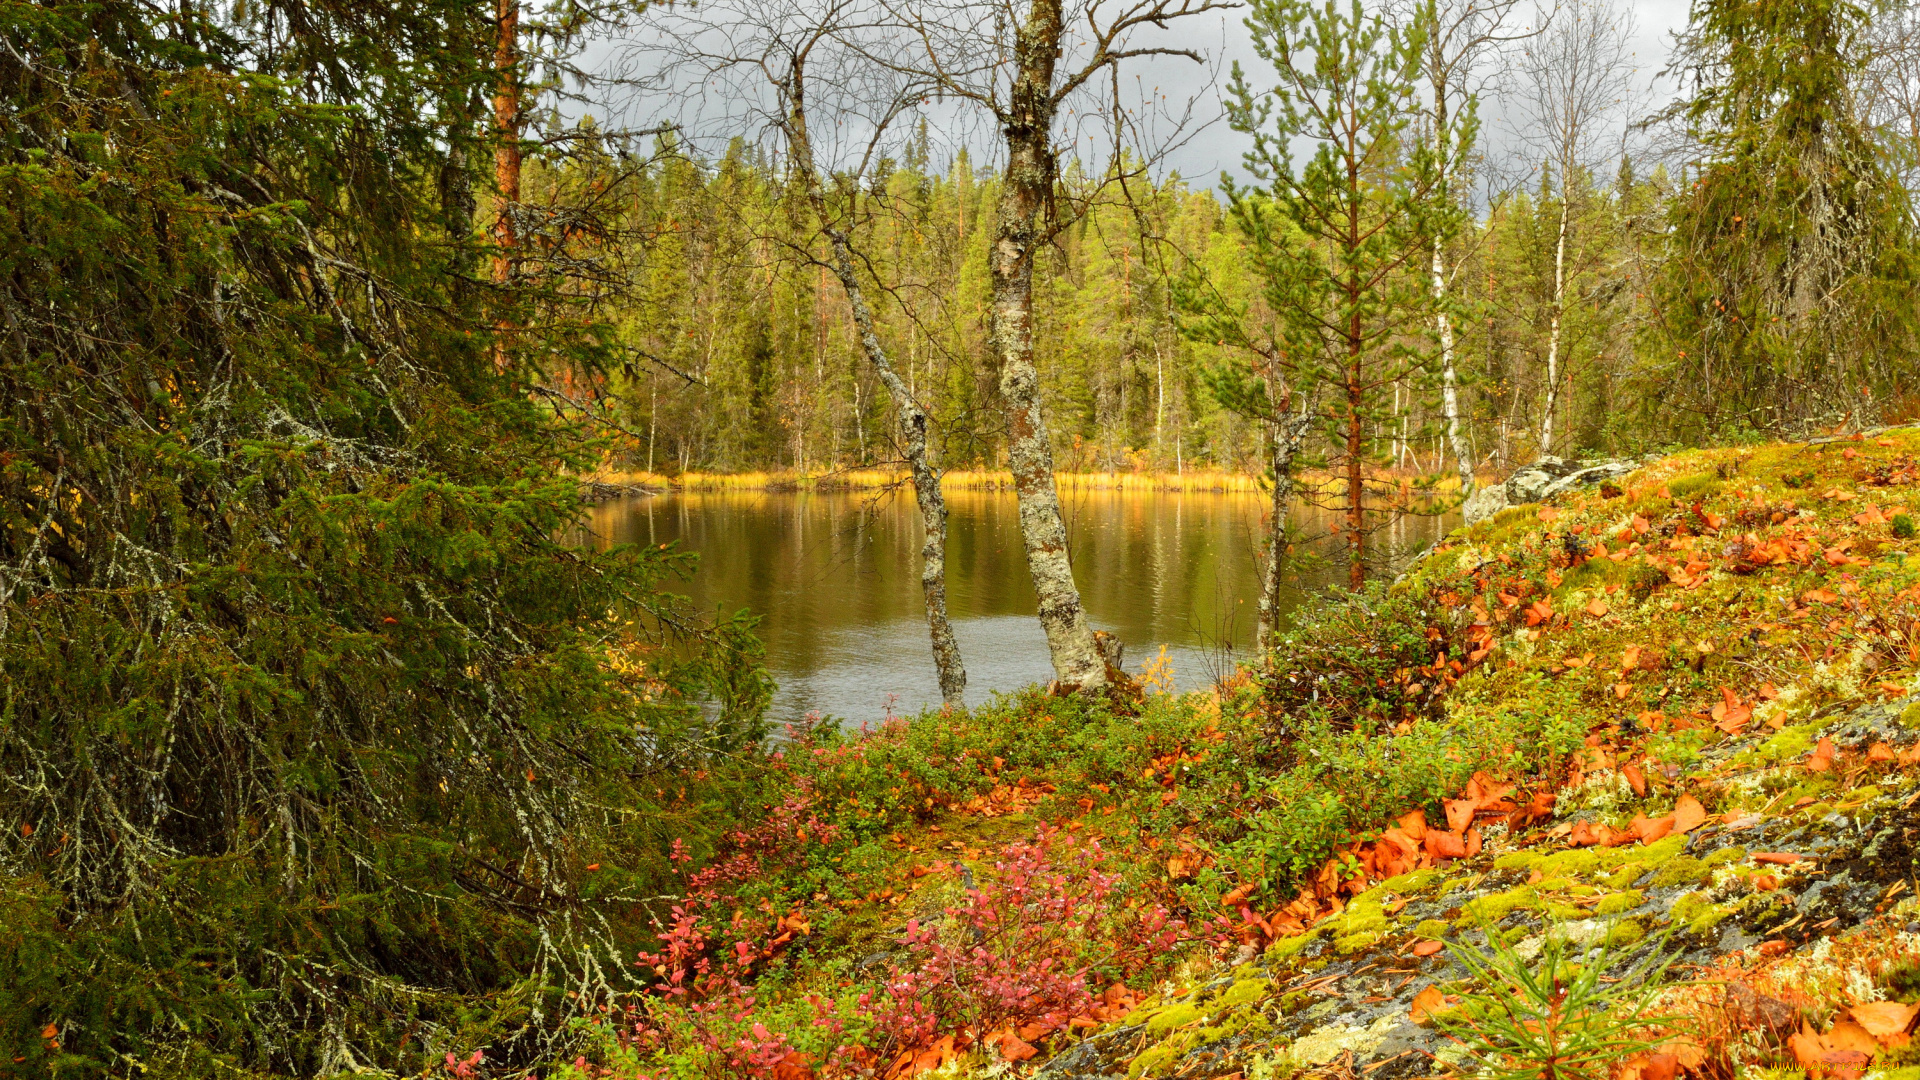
[836, 579]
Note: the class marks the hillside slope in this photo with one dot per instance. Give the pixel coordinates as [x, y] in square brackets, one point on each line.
[1657, 740]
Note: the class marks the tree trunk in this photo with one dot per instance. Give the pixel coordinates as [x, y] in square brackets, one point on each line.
[1025, 194]
[1449, 381]
[506, 155]
[1553, 326]
[1356, 481]
[911, 417]
[926, 482]
[1290, 433]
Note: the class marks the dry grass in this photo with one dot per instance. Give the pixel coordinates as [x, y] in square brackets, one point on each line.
[1189, 482]
[1193, 481]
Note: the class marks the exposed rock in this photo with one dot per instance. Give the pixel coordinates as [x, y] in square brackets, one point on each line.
[1545, 478]
[1348, 998]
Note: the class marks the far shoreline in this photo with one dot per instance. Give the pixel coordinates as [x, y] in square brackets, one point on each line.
[612, 483]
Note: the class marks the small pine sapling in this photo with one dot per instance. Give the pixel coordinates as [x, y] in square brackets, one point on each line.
[1554, 1018]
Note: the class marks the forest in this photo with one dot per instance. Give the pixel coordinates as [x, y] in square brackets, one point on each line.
[330, 743]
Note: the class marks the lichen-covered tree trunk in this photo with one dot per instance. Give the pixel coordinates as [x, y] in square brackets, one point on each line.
[1289, 433]
[1024, 196]
[926, 482]
[911, 417]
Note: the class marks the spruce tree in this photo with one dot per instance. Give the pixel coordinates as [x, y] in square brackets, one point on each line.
[311, 713]
[1787, 293]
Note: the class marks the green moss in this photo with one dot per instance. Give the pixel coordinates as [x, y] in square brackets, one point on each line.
[1726, 855]
[1524, 860]
[1432, 928]
[1695, 488]
[1625, 933]
[1359, 920]
[1573, 861]
[1620, 902]
[1288, 947]
[1153, 1061]
[1625, 877]
[1353, 943]
[1490, 909]
[1681, 871]
[1409, 884]
[1698, 913]
[1505, 525]
[1910, 716]
[1788, 744]
[1242, 992]
[1657, 853]
[1565, 912]
[1177, 1015]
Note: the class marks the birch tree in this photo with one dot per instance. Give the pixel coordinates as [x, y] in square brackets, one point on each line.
[1462, 35]
[1575, 78]
[1025, 63]
[782, 65]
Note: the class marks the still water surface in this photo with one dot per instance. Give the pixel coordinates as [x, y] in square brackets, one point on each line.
[836, 579]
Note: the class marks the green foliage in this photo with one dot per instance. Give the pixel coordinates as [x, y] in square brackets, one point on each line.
[1902, 526]
[1786, 296]
[1558, 1017]
[1348, 662]
[310, 717]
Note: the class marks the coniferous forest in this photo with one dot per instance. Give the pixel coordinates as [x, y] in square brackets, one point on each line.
[328, 745]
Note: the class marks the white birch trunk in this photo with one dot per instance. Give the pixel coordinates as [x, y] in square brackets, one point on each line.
[1553, 329]
[926, 482]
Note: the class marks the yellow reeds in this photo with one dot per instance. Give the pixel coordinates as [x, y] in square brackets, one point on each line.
[1192, 481]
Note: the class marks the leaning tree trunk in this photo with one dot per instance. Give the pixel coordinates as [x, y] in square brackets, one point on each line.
[926, 482]
[912, 418]
[1024, 195]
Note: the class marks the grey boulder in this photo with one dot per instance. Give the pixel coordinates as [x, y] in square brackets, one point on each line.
[1543, 479]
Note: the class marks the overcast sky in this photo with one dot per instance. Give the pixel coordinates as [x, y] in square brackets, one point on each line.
[1223, 39]
[1202, 160]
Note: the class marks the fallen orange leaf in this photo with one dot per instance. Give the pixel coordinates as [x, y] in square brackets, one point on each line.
[1014, 1048]
[1445, 845]
[1846, 1035]
[1821, 760]
[1635, 780]
[1415, 824]
[1428, 948]
[1426, 1003]
[1688, 814]
[1885, 1020]
[1649, 1067]
[794, 1066]
[1651, 829]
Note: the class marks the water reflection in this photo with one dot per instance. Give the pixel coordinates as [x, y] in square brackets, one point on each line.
[836, 577]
